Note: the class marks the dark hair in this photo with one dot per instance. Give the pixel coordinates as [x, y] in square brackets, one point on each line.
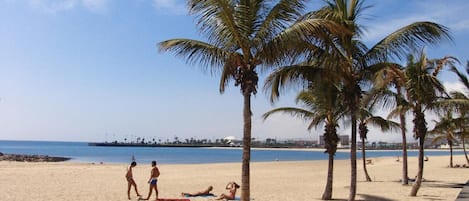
[133, 163]
[153, 163]
[236, 185]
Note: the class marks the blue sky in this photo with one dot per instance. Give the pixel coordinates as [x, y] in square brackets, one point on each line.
[89, 70]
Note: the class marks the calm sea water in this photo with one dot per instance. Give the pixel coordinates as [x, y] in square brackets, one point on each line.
[81, 152]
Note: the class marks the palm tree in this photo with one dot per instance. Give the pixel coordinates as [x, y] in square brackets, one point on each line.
[460, 102]
[445, 128]
[365, 117]
[322, 106]
[243, 35]
[423, 90]
[354, 63]
[463, 120]
[384, 81]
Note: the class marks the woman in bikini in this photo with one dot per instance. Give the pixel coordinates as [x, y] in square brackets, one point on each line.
[130, 180]
[231, 187]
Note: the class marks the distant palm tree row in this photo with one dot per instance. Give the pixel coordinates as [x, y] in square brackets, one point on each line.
[323, 53]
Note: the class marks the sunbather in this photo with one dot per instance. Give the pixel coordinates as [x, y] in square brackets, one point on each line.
[231, 187]
[200, 193]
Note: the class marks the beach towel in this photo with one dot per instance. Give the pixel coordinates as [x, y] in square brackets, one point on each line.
[236, 198]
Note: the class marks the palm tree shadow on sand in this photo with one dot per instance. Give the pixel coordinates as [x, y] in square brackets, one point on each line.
[374, 197]
[367, 198]
[438, 184]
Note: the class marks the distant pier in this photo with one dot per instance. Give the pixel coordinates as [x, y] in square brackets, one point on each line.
[118, 144]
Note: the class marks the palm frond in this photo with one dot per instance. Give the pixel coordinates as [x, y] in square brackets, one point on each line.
[462, 78]
[282, 15]
[294, 112]
[399, 110]
[383, 124]
[408, 39]
[208, 56]
[305, 37]
[215, 20]
[284, 77]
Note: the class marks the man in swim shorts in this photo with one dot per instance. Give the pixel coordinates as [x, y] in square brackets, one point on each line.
[153, 180]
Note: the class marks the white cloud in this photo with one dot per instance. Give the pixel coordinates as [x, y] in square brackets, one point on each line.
[170, 6]
[56, 6]
[451, 14]
[455, 86]
[95, 5]
[53, 7]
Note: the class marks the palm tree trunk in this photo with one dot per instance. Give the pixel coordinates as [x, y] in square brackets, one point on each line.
[450, 154]
[327, 195]
[353, 158]
[418, 180]
[245, 180]
[421, 131]
[464, 147]
[405, 173]
[364, 160]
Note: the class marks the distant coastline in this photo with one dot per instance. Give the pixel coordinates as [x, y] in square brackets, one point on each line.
[254, 146]
[122, 144]
[114, 144]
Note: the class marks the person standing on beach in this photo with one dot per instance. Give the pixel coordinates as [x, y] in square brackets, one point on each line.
[130, 179]
[153, 180]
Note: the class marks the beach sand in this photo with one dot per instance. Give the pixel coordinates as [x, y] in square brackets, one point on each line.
[270, 181]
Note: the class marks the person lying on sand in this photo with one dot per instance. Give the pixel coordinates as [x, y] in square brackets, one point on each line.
[231, 187]
[200, 193]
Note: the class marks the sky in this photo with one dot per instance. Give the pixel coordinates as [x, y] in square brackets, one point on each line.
[90, 70]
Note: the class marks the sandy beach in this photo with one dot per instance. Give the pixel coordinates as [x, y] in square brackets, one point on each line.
[270, 181]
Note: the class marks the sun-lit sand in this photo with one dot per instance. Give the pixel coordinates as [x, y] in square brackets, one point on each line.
[280, 181]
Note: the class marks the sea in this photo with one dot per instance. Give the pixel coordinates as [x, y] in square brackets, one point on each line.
[81, 152]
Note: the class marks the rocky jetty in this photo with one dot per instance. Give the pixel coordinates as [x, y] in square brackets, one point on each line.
[31, 158]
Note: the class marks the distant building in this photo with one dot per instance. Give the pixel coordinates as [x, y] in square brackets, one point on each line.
[343, 140]
[431, 143]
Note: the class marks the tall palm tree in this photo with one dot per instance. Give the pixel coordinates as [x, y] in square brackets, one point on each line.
[365, 118]
[243, 36]
[445, 128]
[423, 90]
[460, 102]
[384, 82]
[354, 63]
[463, 120]
[321, 106]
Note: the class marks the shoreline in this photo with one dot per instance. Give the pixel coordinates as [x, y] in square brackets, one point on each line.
[343, 155]
[323, 149]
